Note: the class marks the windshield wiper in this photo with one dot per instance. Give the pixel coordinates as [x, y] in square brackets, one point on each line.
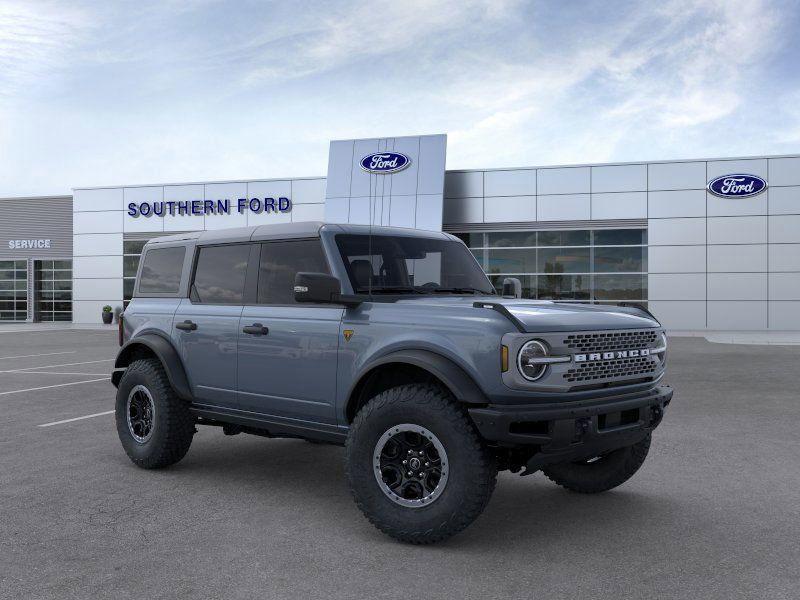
[459, 290]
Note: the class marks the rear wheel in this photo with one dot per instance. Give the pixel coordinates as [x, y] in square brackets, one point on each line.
[153, 424]
[600, 473]
[416, 466]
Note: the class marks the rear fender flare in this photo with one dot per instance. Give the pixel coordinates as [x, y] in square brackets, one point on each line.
[166, 354]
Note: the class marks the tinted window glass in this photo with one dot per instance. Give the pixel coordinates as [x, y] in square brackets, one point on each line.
[161, 272]
[398, 264]
[620, 237]
[564, 238]
[280, 262]
[220, 273]
[564, 260]
[512, 238]
[616, 260]
[512, 261]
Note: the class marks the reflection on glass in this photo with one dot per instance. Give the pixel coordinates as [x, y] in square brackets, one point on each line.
[579, 237]
[620, 237]
[511, 238]
[563, 260]
[616, 260]
[511, 261]
[563, 287]
[620, 287]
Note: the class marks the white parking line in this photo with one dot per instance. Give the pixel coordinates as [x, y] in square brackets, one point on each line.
[86, 362]
[35, 355]
[47, 387]
[108, 412]
[62, 373]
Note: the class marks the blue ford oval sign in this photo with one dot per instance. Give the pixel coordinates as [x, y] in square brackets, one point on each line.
[384, 163]
[737, 186]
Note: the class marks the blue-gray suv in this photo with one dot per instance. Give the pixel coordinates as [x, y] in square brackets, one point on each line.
[395, 344]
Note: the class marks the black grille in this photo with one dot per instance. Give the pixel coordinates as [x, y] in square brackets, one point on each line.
[616, 368]
[613, 340]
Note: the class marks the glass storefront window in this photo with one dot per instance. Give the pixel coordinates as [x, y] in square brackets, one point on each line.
[13, 290]
[600, 265]
[53, 286]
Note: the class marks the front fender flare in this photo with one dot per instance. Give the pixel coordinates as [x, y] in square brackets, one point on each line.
[166, 354]
[458, 381]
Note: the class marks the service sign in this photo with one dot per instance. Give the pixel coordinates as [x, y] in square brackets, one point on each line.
[28, 244]
[737, 186]
[385, 163]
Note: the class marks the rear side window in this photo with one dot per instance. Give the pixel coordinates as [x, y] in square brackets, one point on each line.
[161, 270]
[280, 262]
[220, 274]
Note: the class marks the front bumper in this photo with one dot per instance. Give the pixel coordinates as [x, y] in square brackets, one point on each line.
[559, 432]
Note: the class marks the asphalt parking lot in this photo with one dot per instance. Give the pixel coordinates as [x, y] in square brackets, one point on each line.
[714, 512]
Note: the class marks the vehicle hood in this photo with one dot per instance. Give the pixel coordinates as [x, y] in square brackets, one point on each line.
[536, 316]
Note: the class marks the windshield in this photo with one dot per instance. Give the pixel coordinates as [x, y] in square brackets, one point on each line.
[384, 264]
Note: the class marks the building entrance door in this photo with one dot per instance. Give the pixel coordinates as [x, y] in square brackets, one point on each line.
[52, 290]
[13, 290]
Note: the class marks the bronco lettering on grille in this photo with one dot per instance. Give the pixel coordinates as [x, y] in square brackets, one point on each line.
[611, 355]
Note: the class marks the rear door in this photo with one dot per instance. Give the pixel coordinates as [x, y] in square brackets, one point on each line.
[206, 325]
[288, 351]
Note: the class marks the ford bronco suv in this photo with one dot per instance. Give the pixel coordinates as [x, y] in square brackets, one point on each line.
[395, 344]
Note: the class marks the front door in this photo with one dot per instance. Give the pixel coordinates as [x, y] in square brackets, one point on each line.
[288, 351]
[206, 325]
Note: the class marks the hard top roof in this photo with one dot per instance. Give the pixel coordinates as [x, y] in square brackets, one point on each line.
[283, 231]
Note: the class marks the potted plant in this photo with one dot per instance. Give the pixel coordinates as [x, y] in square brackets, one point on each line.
[108, 315]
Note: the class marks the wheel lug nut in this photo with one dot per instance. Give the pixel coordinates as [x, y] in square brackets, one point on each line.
[410, 474]
[405, 461]
[411, 452]
[427, 464]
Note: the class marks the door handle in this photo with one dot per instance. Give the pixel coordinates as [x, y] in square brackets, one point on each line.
[186, 326]
[255, 329]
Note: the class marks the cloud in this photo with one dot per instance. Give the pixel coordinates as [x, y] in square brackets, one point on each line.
[357, 31]
[35, 38]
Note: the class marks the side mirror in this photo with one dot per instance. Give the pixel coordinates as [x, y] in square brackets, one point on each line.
[320, 288]
[512, 287]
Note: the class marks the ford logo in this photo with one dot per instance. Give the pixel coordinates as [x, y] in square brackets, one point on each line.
[384, 163]
[737, 186]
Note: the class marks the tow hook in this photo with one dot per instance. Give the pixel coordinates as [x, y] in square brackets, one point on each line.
[656, 414]
[581, 427]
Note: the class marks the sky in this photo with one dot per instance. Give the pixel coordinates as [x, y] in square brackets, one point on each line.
[111, 93]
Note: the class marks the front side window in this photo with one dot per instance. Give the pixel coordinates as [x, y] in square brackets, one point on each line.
[395, 264]
[280, 262]
[161, 271]
[220, 274]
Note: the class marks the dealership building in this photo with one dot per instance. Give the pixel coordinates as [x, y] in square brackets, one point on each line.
[707, 245]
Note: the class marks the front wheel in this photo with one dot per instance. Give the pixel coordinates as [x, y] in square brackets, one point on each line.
[600, 473]
[416, 466]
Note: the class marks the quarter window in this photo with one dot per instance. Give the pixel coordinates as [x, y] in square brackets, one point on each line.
[220, 274]
[280, 262]
[161, 271]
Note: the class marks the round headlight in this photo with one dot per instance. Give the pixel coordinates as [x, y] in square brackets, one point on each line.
[526, 360]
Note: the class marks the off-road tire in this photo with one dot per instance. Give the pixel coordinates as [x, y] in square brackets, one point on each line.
[173, 425]
[472, 467]
[609, 471]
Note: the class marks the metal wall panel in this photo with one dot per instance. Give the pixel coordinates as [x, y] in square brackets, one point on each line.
[619, 178]
[676, 176]
[676, 203]
[393, 198]
[521, 182]
[565, 180]
[784, 171]
[36, 219]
